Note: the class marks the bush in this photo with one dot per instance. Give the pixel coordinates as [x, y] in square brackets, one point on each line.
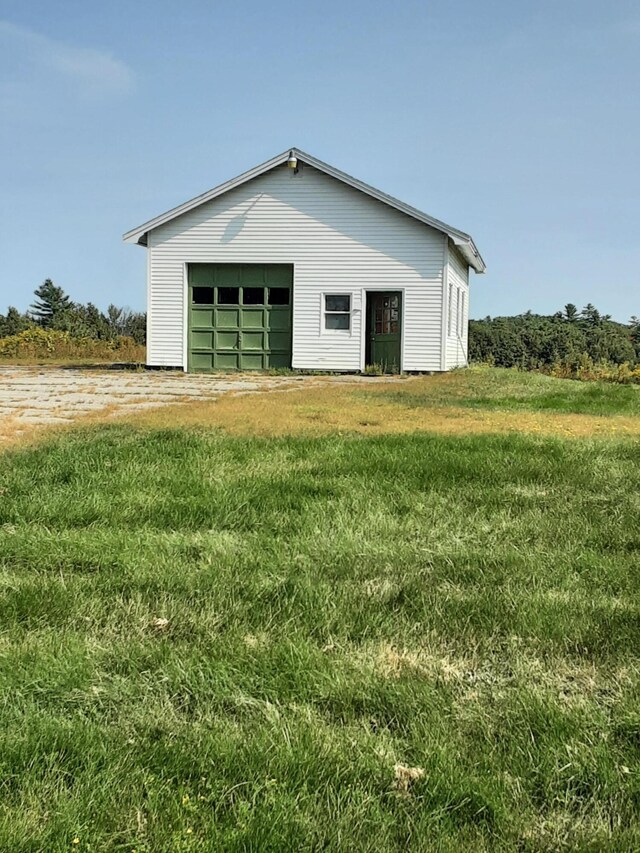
[50, 344]
[588, 370]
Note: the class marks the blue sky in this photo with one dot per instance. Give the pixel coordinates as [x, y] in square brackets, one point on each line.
[517, 122]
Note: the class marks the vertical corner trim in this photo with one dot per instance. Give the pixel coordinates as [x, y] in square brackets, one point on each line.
[445, 307]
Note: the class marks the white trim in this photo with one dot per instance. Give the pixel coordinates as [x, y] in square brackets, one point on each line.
[365, 320]
[185, 317]
[363, 328]
[339, 333]
[149, 331]
[445, 304]
[463, 241]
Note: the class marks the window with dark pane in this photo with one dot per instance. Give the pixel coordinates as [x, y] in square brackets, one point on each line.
[386, 315]
[279, 295]
[337, 321]
[228, 295]
[202, 296]
[337, 311]
[253, 295]
[337, 303]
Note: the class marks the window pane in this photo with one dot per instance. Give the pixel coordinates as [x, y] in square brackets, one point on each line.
[202, 296]
[336, 321]
[338, 303]
[278, 296]
[228, 295]
[253, 295]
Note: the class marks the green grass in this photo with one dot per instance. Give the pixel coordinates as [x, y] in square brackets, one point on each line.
[512, 390]
[336, 607]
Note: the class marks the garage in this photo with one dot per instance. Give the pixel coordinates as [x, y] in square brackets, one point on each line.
[239, 316]
[378, 284]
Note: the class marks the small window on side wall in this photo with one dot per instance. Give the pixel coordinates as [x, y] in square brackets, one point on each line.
[337, 312]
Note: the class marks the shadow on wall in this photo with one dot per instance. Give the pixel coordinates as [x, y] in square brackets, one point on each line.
[238, 222]
[234, 227]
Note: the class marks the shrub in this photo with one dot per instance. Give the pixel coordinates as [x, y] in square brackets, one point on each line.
[585, 369]
[50, 344]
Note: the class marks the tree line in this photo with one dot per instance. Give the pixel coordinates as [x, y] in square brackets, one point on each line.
[528, 341]
[535, 341]
[53, 309]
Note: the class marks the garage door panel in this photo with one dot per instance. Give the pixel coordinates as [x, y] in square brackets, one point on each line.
[279, 319]
[201, 318]
[248, 324]
[280, 341]
[203, 275]
[279, 359]
[252, 361]
[226, 361]
[253, 341]
[226, 275]
[226, 318]
[202, 360]
[226, 340]
[252, 318]
[278, 275]
[252, 274]
[201, 340]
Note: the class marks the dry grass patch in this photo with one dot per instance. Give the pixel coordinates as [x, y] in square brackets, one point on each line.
[336, 408]
[459, 403]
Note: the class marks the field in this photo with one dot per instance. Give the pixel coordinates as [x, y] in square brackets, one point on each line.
[369, 617]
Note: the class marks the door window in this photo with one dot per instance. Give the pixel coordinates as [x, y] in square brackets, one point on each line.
[386, 314]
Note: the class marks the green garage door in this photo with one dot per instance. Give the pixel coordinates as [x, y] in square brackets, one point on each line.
[239, 316]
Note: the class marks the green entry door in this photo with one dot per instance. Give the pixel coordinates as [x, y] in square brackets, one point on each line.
[384, 330]
[239, 316]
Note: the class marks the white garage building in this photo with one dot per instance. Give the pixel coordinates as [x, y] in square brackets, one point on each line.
[296, 264]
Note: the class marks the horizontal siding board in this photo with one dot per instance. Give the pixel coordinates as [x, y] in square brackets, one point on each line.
[337, 238]
[457, 347]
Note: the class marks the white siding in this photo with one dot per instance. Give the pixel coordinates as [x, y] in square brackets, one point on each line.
[457, 340]
[339, 241]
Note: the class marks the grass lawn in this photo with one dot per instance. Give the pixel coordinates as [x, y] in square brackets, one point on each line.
[323, 639]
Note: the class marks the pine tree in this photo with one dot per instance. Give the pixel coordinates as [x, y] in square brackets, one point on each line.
[14, 322]
[571, 312]
[51, 302]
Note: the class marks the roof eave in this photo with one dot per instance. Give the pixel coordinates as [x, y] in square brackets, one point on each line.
[472, 256]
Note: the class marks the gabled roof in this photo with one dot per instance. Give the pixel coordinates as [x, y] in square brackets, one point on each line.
[464, 242]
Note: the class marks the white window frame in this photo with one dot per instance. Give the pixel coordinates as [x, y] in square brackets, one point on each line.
[462, 313]
[458, 324]
[450, 313]
[324, 313]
